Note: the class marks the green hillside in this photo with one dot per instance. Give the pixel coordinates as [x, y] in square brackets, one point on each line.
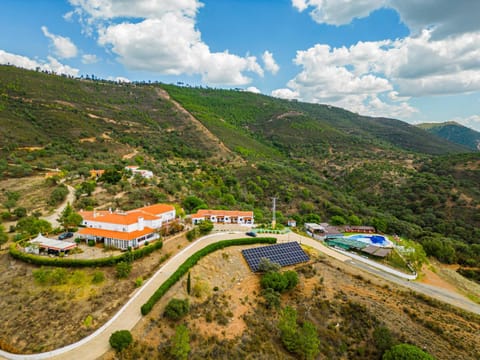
[455, 133]
[241, 149]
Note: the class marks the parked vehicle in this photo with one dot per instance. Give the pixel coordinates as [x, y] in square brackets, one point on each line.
[65, 235]
[251, 233]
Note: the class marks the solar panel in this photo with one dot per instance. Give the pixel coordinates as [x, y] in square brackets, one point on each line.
[284, 254]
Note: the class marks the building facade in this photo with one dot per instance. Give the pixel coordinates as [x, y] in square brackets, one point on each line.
[224, 217]
[124, 229]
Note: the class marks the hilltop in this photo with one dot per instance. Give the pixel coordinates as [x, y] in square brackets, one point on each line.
[234, 149]
[455, 133]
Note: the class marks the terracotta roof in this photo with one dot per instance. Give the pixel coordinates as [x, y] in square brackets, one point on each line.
[115, 234]
[157, 209]
[206, 212]
[88, 215]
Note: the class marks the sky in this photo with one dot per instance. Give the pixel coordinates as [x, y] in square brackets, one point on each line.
[417, 61]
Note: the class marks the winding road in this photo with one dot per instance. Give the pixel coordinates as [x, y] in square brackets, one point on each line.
[96, 344]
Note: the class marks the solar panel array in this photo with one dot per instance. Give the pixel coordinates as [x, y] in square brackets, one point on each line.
[284, 254]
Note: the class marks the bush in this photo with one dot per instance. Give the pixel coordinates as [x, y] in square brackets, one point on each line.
[176, 309]
[123, 269]
[77, 263]
[98, 277]
[120, 339]
[192, 260]
[91, 242]
[265, 265]
[280, 282]
[406, 352]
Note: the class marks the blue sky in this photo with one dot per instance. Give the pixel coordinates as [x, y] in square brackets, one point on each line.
[418, 61]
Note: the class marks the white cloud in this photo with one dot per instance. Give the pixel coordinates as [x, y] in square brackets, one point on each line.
[473, 122]
[24, 62]
[63, 47]
[285, 94]
[337, 12]
[163, 39]
[89, 59]
[269, 62]
[253, 89]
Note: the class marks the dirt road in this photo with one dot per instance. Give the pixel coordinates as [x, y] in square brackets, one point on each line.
[52, 218]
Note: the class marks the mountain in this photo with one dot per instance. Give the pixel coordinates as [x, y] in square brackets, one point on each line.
[235, 149]
[455, 133]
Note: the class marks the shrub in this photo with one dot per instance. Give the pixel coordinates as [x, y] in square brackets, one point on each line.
[98, 277]
[279, 282]
[123, 269]
[120, 339]
[138, 281]
[91, 242]
[406, 352]
[266, 265]
[176, 309]
[192, 260]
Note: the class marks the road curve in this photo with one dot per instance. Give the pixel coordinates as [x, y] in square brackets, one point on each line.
[96, 344]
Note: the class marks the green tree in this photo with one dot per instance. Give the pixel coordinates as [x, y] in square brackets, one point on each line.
[406, 352]
[308, 341]
[192, 203]
[272, 298]
[176, 309]
[111, 176]
[338, 220]
[205, 227]
[3, 236]
[189, 284]
[266, 265]
[120, 339]
[289, 329]
[11, 199]
[30, 225]
[180, 343]
[69, 218]
[58, 195]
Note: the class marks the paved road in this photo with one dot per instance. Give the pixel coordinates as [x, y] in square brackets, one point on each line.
[96, 344]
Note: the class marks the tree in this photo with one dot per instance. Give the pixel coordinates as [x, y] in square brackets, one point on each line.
[205, 227]
[30, 225]
[192, 203]
[180, 343]
[406, 352]
[383, 338]
[58, 195]
[189, 284]
[3, 236]
[272, 298]
[266, 265]
[279, 282]
[289, 329]
[120, 339]
[176, 309]
[11, 201]
[308, 341]
[111, 176]
[69, 218]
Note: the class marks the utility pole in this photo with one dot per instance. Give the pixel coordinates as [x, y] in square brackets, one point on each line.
[274, 207]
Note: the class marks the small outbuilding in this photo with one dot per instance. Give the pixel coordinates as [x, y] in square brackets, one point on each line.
[51, 246]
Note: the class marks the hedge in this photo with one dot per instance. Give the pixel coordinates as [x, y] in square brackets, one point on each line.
[192, 260]
[78, 263]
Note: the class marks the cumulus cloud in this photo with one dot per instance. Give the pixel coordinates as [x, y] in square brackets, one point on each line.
[287, 94]
[371, 77]
[473, 122]
[53, 65]
[63, 47]
[269, 62]
[89, 59]
[443, 17]
[163, 39]
[253, 89]
[337, 12]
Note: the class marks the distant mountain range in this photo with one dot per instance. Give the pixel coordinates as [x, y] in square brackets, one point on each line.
[455, 133]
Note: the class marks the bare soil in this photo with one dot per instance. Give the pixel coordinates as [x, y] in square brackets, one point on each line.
[37, 318]
[230, 321]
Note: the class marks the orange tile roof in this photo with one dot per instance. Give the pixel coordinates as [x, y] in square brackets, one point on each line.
[115, 234]
[157, 209]
[206, 212]
[150, 212]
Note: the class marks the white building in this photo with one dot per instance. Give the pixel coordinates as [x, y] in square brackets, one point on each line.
[224, 217]
[147, 174]
[122, 229]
